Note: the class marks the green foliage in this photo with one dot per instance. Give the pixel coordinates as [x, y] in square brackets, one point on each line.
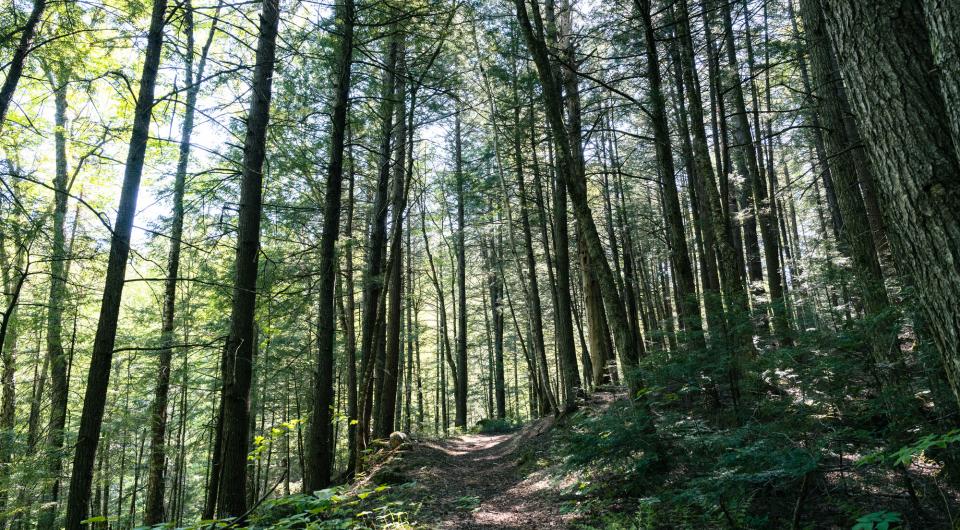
[878, 521]
[906, 454]
[496, 426]
[332, 508]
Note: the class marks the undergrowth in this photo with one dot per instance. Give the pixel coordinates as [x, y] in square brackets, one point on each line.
[821, 444]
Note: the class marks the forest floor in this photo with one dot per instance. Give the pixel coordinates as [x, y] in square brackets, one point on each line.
[476, 481]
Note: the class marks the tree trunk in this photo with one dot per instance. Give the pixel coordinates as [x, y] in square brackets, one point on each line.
[153, 512]
[320, 454]
[98, 378]
[385, 422]
[553, 105]
[15, 71]
[242, 339]
[902, 119]
[688, 309]
[372, 279]
[747, 155]
[461, 373]
[943, 23]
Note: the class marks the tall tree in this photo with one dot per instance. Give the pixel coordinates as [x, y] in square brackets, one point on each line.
[373, 268]
[460, 419]
[842, 156]
[747, 160]
[241, 342]
[687, 309]
[553, 105]
[153, 513]
[320, 452]
[98, 377]
[56, 358]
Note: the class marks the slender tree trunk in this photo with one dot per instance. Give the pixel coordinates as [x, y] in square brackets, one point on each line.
[688, 310]
[241, 343]
[154, 513]
[98, 378]
[372, 280]
[533, 289]
[461, 373]
[347, 310]
[386, 421]
[15, 70]
[56, 299]
[320, 455]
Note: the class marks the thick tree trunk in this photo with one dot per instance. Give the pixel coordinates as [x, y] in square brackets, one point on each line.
[943, 23]
[241, 344]
[98, 377]
[902, 119]
[320, 453]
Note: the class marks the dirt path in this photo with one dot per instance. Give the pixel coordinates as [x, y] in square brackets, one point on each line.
[474, 482]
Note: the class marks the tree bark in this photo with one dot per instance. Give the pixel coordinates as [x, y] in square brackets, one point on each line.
[98, 377]
[902, 119]
[15, 71]
[320, 455]
[238, 373]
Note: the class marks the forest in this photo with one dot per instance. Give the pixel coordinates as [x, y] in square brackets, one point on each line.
[626, 264]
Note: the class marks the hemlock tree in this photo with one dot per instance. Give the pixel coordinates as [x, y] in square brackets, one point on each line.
[98, 377]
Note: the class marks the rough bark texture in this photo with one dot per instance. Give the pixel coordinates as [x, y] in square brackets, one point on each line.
[320, 447]
[841, 154]
[98, 378]
[943, 22]
[238, 372]
[885, 56]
